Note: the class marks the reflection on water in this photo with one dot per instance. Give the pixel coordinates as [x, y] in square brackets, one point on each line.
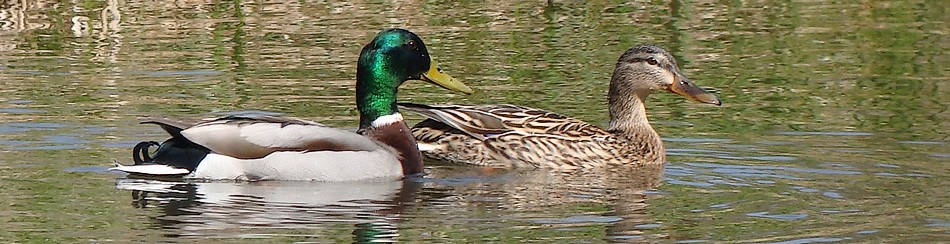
[384, 210]
[835, 126]
[257, 209]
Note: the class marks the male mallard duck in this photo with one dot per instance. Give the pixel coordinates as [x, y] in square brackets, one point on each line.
[273, 148]
[517, 136]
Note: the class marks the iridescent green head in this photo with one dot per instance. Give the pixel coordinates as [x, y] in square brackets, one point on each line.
[393, 57]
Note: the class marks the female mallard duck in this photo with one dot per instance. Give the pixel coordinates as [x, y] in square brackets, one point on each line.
[517, 136]
[273, 148]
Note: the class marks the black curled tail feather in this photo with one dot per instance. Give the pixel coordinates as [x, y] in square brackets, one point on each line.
[177, 152]
[140, 153]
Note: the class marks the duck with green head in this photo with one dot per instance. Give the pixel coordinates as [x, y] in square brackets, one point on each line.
[260, 147]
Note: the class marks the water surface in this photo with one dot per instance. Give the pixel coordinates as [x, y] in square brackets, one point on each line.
[834, 125]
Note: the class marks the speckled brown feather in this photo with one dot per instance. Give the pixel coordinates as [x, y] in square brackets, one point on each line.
[526, 137]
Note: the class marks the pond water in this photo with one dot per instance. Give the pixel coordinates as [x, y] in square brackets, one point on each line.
[834, 125]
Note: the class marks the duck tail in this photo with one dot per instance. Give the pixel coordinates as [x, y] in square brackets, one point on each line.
[150, 169]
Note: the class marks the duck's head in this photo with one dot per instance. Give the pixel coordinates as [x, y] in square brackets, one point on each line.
[643, 69]
[398, 55]
[392, 58]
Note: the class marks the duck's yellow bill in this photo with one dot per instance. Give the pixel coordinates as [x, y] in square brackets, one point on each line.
[435, 76]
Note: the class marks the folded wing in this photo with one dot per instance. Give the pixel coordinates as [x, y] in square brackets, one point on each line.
[487, 121]
[249, 137]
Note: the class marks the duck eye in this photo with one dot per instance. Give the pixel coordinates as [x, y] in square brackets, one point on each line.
[652, 61]
[412, 43]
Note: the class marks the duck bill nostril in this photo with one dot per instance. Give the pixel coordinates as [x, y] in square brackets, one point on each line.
[690, 90]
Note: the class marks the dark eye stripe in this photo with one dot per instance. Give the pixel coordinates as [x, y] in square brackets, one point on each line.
[650, 60]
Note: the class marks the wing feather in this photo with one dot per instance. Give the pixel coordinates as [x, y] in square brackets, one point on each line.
[258, 136]
[571, 152]
[472, 121]
[485, 121]
[172, 126]
[511, 135]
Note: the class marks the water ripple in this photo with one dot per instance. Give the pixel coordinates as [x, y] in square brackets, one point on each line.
[177, 72]
[577, 219]
[51, 147]
[691, 152]
[21, 111]
[696, 140]
[36, 125]
[840, 211]
[20, 101]
[688, 183]
[739, 168]
[824, 133]
[937, 223]
[778, 216]
[248, 113]
[922, 142]
[815, 240]
[832, 195]
[887, 165]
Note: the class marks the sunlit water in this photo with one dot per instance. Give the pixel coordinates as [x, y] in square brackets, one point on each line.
[834, 125]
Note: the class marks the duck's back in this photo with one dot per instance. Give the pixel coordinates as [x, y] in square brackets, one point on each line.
[518, 136]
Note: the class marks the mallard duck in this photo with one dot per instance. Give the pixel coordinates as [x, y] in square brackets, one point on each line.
[275, 148]
[518, 136]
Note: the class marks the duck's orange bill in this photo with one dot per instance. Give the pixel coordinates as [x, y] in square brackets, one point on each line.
[688, 89]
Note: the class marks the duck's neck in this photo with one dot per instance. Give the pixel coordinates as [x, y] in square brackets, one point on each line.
[628, 115]
[376, 86]
[628, 120]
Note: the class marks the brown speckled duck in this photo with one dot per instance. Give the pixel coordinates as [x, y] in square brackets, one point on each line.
[518, 136]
